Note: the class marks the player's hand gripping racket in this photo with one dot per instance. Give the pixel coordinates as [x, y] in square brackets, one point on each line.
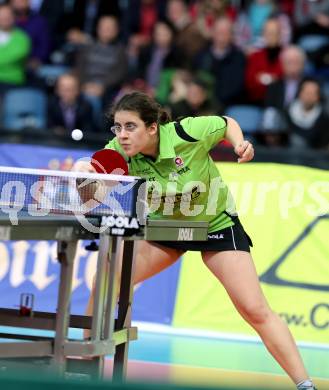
[106, 161]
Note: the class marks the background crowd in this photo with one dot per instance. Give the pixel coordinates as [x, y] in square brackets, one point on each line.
[263, 62]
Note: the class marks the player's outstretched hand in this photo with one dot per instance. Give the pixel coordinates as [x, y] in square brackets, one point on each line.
[83, 166]
[245, 151]
[91, 192]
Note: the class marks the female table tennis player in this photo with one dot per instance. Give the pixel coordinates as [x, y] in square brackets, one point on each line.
[165, 151]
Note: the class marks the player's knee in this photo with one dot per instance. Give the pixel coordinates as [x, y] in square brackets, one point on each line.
[255, 314]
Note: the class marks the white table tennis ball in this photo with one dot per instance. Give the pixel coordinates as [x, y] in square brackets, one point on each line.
[77, 134]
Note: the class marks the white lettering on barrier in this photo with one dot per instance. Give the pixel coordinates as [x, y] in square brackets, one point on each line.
[4, 260]
[15, 264]
[39, 276]
[319, 193]
[290, 196]
[17, 272]
[120, 222]
[185, 234]
[117, 231]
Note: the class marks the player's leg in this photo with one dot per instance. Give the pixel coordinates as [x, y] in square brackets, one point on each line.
[236, 271]
[152, 259]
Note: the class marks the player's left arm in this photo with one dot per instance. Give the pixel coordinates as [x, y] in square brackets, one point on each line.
[210, 130]
[244, 149]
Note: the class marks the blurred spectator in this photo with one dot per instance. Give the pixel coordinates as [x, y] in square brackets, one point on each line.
[205, 13]
[258, 13]
[49, 9]
[306, 117]
[189, 39]
[311, 17]
[140, 23]
[279, 95]
[312, 32]
[15, 47]
[160, 54]
[148, 15]
[273, 130]
[198, 101]
[102, 66]
[225, 62]
[134, 85]
[54, 13]
[83, 20]
[137, 27]
[67, 109]
[36, 27]
[286, 28]
[246, 36]
[282, 92]
[173, 85]
[264, 66]
[287, 7]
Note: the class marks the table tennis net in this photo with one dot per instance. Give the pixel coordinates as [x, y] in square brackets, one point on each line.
[42, 192]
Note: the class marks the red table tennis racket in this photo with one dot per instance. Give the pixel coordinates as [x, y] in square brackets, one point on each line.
[109, 161]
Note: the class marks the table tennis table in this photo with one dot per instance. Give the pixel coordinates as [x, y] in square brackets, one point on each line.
[110, 323]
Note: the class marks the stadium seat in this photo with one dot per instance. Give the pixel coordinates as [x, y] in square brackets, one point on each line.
[50, 73]
[249, 117]
[312, 42]
[24, 108]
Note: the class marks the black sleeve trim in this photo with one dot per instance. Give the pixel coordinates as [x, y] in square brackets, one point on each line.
[225, 119]
[183, 134]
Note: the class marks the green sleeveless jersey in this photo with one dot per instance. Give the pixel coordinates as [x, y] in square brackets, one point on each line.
[184, 182]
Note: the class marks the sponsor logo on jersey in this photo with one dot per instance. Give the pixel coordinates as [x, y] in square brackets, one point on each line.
[216, 236]
[178, 161]
[183, 170]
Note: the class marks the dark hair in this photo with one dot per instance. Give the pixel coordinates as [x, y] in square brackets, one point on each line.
[316, 81]
[200, 83]
[146, 107]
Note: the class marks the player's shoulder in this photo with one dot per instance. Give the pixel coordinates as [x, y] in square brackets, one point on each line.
[174, 134]
[192, 121]
[200, 126]
[190, 130]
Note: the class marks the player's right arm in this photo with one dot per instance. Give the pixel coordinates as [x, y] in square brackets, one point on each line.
[85, 189]
[83, 166]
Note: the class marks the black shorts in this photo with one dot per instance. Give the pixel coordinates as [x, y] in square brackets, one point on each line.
[233, 238]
